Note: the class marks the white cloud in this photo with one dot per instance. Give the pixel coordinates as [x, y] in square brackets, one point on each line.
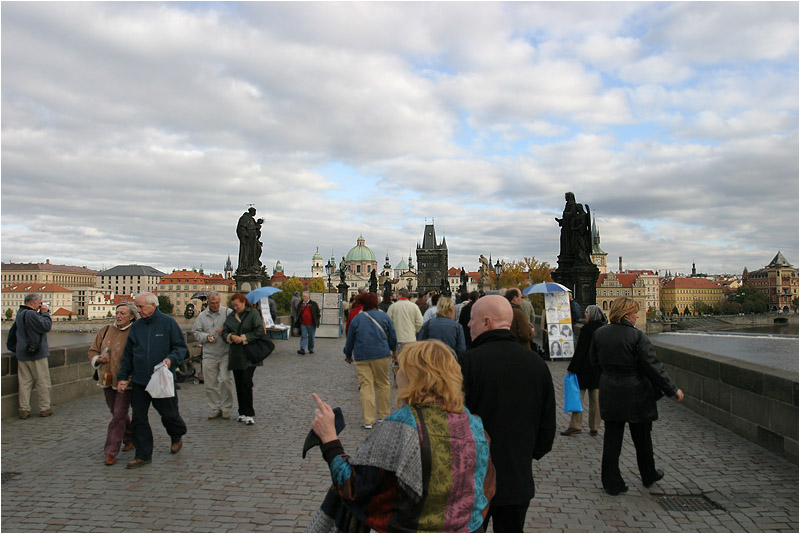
[141, 130]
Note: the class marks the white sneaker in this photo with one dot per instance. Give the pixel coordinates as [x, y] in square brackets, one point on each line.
[249, 421]
[368, 427]
[242, 418]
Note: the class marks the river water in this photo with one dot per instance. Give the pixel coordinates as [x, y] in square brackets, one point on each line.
[772, 346]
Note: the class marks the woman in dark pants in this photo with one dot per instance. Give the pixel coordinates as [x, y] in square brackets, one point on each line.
[631, 381]
[243, 326]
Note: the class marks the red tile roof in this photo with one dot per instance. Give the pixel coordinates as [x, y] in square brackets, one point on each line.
[691, 283]
[63, 311]
[47, 267]
[32, 287]
[640, 271]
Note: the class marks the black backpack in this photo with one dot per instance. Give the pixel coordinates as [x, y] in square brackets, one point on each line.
[11, 342]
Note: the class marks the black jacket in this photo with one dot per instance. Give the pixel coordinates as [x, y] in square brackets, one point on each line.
[511, 389]
[588, 374]
[315, 313]
[632, 379]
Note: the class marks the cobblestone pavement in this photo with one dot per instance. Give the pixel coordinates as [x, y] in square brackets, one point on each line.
[232, 477]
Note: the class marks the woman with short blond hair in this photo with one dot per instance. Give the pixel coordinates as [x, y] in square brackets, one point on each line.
[426, 468]
[444, 328]
[631, 381]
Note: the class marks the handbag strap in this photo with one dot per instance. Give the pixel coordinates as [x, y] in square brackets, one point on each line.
[378, 325]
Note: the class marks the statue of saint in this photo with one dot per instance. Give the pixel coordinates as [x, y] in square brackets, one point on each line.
[387, 287]
[248, 230]
[463, 287]
[576, 231]
[373, 283]
[343, 268]
[484, 270]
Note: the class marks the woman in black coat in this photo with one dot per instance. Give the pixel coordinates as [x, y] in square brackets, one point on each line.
[631, 381]
[588, 374]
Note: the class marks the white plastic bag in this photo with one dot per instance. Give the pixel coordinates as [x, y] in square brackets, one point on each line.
[161, 384]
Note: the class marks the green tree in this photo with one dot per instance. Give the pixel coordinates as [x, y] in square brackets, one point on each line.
[750, 298]
[69, 317]
[651, 312]
[9, 313]
[165, 305]
[675, 310]
[701, 307]
[317, 285]
[284, 298]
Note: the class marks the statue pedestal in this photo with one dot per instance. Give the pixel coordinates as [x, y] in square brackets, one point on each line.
[245, 283]
[582, 279]
[342, 287]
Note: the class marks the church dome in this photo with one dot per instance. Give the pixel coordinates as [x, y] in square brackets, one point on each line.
[317, 255]
[360, 252]
[402, 266]
[278, 267]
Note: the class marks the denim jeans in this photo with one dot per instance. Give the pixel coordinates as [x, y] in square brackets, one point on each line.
[307, 332]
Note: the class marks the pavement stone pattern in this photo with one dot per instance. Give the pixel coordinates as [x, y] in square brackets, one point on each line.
[232, 477]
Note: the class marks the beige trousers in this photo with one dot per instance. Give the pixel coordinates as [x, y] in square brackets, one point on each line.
[218, 384]
[28, 373]
[576, 421]
[373, 379]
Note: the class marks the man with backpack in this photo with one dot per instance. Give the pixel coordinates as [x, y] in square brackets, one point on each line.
[30, 335]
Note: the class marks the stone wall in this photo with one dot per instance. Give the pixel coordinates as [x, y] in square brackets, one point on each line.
[757, 402]
[70, 378]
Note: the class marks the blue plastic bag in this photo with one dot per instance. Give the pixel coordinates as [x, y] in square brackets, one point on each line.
[572, 394]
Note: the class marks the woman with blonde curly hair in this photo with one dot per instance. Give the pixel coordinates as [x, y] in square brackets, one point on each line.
[426, 468]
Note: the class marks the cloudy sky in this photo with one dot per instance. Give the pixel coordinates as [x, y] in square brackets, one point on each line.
[139, 132]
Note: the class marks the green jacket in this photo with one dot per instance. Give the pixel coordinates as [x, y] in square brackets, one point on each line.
[248, 324]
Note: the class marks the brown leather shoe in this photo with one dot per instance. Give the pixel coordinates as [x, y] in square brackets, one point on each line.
[136, 462]
[570, 432]
[175, 447]
[110, 460]
[127, 447]
[46, 413]
[24, 414]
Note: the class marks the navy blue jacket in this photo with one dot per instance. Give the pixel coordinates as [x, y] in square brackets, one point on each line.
[32, 326]
[150, 341]
[445, 330]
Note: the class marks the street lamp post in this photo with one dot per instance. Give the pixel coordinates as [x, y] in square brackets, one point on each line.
[329, 271]
[498, 268]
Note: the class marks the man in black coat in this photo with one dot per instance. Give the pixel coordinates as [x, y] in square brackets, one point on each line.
[510, 388]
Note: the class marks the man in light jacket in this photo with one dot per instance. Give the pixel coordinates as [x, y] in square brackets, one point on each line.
[406, 317]
[217, 379]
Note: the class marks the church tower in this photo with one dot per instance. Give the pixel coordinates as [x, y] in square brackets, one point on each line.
[228, 269]
[431, 261]
[598, 254]
[317, 269]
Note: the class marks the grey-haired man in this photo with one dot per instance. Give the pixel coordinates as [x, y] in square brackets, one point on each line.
[33, 323]
[217, 379]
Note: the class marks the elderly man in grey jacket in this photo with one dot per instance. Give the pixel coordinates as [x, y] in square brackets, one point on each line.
[217, 379]
[33, 322]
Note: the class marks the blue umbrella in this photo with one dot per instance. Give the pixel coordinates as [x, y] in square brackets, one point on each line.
[544, 287]
[258, 294]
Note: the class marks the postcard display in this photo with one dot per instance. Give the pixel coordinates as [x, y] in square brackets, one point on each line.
[559, 325]
[330, 305]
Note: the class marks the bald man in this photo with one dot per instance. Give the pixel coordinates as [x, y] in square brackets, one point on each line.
[510, 388]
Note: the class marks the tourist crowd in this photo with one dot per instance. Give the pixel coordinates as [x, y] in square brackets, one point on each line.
[475, 400]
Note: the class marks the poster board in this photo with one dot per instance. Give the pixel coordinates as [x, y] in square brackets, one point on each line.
[330, 307]
[559, 325]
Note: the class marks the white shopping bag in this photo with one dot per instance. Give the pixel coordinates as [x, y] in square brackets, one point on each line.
[161, 384]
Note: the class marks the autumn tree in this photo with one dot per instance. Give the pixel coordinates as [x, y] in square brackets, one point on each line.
[521, 274]
[317, 285]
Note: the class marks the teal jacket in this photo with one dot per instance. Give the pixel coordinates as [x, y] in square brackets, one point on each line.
[150, 341]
